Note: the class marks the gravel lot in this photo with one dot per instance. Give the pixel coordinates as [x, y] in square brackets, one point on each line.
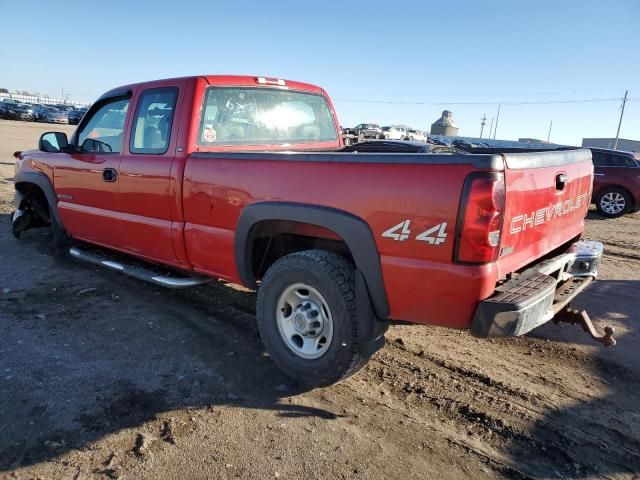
[103, 376]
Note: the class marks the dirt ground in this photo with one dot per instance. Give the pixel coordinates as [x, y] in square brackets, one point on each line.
[104, 376]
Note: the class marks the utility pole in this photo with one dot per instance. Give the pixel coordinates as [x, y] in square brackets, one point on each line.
[490, 128]
[497, 118]
[482, 124]
[549, 134]
[62, 96]
[624, 102]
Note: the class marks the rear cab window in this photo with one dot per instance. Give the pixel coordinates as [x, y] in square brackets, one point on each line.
[153, 120]
[264, 116]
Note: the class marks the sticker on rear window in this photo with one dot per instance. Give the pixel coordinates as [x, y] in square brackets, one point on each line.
[209, 134]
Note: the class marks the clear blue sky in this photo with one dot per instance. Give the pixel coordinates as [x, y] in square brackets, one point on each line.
[433, 54]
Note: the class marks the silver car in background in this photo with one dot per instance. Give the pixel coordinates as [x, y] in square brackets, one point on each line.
[57, 116]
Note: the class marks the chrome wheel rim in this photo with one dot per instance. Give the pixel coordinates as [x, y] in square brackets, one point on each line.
[304, 321]
[612, 203]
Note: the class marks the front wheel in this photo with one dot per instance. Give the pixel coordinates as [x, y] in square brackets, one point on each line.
[613, 202]
[307, 317]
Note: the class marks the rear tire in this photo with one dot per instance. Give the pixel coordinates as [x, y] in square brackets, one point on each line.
[313, 353]
[613, 202]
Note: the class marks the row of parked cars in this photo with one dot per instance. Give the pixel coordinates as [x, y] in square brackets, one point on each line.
[37, 112]
[369, 131]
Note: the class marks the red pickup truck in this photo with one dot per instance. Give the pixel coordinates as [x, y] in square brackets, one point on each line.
[246, 179]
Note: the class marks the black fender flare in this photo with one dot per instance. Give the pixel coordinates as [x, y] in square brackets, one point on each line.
[42, 182]
[352, 229]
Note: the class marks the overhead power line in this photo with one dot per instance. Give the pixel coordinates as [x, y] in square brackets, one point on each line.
[532, 102]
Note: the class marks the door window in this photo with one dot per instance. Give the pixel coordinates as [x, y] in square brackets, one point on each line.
[102, 131]
[152, 123]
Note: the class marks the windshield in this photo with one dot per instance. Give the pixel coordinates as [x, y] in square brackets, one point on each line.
[261, 116]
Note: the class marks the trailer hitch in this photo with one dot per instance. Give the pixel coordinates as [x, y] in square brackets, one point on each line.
[573, 317]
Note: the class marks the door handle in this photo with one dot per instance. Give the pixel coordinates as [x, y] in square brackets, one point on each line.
[561, 181]
[109, 175]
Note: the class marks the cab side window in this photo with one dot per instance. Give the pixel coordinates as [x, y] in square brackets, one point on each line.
[151, 130]
[102, 132]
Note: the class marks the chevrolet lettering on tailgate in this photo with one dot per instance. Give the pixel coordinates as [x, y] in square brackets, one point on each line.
[547, 214]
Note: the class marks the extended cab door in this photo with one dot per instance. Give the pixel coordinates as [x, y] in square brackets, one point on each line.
[86, 181]
[146, 191]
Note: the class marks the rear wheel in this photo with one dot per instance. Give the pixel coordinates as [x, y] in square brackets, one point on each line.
[613, 202]
[307, 317]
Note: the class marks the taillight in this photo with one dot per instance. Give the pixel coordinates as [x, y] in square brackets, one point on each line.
[480, 218]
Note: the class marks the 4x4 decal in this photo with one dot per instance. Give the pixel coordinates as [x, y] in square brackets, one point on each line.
[402, 231]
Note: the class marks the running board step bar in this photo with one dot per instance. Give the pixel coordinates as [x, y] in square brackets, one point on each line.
[139, 272]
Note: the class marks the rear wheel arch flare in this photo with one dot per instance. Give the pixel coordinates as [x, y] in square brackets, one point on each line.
[353, 230]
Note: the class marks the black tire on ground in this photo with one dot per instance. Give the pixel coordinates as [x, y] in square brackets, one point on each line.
[334, 278]
[613, 202]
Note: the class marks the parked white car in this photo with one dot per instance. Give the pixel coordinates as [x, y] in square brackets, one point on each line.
[416, 135]
[394, 133]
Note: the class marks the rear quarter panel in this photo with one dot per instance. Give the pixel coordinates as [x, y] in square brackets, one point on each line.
[422, 284]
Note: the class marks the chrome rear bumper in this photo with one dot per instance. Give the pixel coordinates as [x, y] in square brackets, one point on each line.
[534, 296]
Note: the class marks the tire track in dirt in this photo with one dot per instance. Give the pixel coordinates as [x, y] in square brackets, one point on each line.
[503, 416]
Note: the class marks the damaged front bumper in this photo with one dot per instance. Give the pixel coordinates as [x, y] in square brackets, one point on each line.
[536, 295]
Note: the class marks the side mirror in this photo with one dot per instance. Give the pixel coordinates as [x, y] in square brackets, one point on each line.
[53, 142]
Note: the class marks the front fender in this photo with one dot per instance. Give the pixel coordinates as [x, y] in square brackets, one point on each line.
[41, 181]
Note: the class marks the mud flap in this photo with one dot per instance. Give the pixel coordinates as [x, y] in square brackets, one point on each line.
[20, 221]
[371, 329]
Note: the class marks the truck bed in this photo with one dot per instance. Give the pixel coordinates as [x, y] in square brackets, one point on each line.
[385, 189]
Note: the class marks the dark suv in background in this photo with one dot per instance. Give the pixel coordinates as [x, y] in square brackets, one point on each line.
[616, 182]
[17, 111]
[367, 130]
[76, 115]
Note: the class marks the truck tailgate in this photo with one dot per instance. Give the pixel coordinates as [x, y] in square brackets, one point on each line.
[547, 198]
